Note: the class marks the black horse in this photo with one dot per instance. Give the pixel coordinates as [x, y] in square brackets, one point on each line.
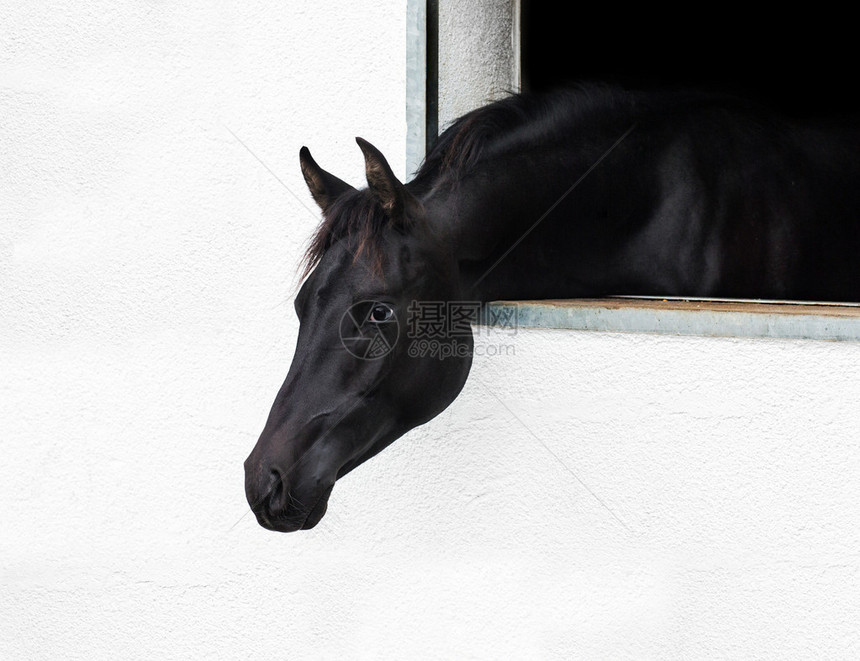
[579, 193]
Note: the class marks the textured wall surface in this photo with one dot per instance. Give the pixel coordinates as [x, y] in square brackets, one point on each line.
[589, 495]
[478, 54]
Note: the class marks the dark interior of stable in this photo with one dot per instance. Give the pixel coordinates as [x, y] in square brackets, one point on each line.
[796, 61]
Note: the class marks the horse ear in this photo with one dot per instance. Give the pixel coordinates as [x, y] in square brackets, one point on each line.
[324, 187]
[391, 193]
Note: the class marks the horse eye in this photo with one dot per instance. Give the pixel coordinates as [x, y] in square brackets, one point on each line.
[381, 313]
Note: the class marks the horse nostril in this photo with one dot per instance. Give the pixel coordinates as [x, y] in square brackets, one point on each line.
[274, 500]
[265, 491]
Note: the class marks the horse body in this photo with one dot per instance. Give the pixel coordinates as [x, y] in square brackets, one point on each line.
[576, 194]
[705, 196]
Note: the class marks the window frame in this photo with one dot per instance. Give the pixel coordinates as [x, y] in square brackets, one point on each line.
[440, 47]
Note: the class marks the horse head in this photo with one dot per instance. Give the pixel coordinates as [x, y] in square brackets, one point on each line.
[357, 382]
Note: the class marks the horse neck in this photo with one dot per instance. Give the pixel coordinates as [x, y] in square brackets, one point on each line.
[519, 221]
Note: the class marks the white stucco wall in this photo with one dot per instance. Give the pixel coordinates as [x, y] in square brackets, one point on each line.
[147, 267]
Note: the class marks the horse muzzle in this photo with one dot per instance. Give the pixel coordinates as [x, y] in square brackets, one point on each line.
[281, 506]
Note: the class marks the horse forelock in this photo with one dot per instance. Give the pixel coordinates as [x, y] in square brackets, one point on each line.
[357, 220]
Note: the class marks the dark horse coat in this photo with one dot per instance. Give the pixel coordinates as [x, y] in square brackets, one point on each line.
[577, 193]
[705, 196]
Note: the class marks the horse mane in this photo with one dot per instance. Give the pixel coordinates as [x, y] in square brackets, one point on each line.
[517, 120]
[526, 119]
